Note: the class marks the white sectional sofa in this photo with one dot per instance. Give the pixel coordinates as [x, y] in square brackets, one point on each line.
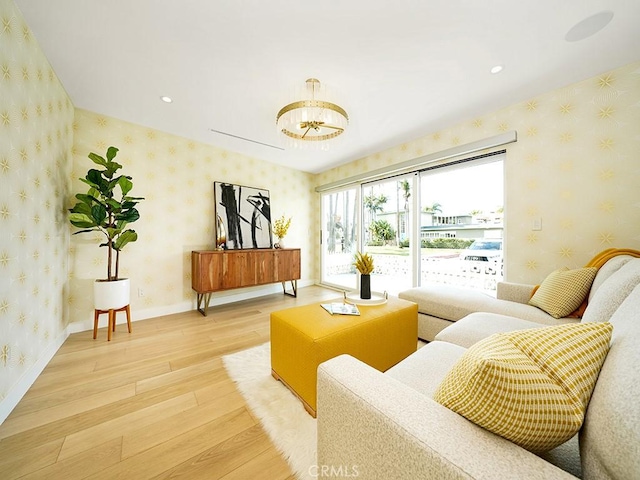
[387, 425]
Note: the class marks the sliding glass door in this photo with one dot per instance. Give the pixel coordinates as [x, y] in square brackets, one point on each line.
[340, 212]
[441, 225]
[387, 232]
[461, 224]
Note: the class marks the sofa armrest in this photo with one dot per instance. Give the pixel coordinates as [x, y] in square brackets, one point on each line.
[514, 292]
[374, 427]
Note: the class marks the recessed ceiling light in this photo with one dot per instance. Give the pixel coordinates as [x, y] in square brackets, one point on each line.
[496, 69]
[589, 26]
[166, 99]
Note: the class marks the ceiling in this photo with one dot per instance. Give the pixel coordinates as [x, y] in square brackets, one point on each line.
[401, 69]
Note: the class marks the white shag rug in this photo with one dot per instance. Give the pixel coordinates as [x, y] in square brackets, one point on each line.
[290, 427]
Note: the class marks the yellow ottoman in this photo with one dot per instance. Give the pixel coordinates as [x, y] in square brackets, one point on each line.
[304, 337]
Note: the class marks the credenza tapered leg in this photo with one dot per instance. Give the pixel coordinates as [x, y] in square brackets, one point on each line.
[203, 300]
[294, 288]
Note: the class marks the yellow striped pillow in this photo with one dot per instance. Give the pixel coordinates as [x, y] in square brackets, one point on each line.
[563, 291]
[532, 386]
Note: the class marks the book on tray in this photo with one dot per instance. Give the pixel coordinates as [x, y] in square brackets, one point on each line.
[340, 308]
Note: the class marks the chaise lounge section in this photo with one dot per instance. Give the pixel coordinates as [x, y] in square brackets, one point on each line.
[440, 306]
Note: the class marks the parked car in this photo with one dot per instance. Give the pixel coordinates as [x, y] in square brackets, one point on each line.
[483, 256]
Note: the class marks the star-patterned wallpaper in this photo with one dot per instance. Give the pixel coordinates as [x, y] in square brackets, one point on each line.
[36, 117]
[575, 166]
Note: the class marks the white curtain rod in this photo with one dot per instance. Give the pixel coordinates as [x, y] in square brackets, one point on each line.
[424, 161]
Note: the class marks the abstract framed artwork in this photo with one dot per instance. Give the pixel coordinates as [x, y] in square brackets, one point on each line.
[245, 214]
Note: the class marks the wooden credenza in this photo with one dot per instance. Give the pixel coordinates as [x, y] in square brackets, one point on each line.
[217, 270]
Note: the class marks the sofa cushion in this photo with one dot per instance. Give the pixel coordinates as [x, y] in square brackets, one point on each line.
[454, 303]
[606, 270]
[480, 325]
[607, 262]
[425, 369]
[563, 291]
[610, 437]
[444, 301]
[613, 292]
[531, 386]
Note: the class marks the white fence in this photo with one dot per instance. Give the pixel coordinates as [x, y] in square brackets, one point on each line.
[445, 269]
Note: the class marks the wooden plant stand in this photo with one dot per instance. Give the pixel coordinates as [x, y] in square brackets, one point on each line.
[112, 320]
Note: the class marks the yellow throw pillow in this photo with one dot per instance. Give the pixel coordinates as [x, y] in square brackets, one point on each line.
[532, 386]
[563, 291]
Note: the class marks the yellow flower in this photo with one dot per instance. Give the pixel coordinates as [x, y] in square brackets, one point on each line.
[363, 263]
[281, 226]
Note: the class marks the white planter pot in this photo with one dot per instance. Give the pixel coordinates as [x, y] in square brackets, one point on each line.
[111, 295]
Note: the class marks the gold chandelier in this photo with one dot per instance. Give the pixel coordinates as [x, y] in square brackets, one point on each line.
[311, 122]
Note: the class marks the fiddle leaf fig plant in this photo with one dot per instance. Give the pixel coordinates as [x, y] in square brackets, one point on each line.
[107, 208]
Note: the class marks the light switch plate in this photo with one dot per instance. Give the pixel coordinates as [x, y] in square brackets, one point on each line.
[537, 224]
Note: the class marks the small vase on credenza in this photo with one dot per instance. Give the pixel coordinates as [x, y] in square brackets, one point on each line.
[221, 234]
[280, 228]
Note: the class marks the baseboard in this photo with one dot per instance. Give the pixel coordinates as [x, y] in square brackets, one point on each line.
[18, 390]
[228, 296]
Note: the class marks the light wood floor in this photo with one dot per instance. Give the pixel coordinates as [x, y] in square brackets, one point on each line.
[156, 403]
